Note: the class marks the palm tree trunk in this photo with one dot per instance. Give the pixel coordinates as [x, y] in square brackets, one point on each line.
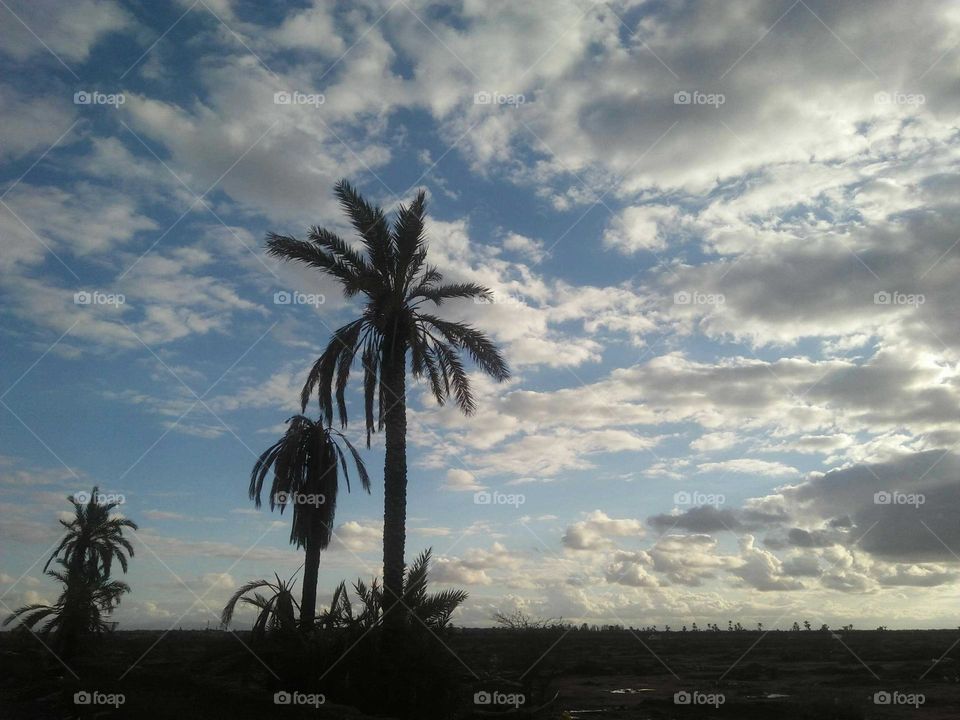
[308, 595]
[394, 488]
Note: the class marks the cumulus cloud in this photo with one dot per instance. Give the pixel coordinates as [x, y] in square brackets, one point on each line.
[598, 530]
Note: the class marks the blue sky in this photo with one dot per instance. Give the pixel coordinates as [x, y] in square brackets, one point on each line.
[721, 240]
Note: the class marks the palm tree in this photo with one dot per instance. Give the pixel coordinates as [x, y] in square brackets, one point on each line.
[305, 475]
[277, 610]
[431, 610]
[94, 537]
[392, 275]
[84, 601]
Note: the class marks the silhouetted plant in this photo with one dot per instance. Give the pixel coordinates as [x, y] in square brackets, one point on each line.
[519, 620]
[276, 608]
[417, 679]
[94, 539]
[418, 607]
[81, 608]
[391, 272]
[305, 464]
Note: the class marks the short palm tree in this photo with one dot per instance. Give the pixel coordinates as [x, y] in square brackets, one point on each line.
[305, 465]
[277, 608]
[85, 600]
[392, 275]
[94, 537]
[431, 610]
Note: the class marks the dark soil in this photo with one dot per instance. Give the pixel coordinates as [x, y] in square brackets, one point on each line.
[610, 675]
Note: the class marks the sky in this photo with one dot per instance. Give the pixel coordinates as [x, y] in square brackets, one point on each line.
[722, 240]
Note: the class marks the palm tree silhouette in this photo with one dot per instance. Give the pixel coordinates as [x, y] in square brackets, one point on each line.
[94, 537]
[305, 475]
[433, 610]
[277, 608]
[81, 608]
[392, 275]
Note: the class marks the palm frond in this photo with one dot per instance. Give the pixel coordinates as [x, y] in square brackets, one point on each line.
[370, 223]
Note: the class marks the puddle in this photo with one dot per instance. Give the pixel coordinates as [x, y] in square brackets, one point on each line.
[631, 691]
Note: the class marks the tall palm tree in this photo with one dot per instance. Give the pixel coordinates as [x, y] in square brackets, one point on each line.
[305, 475]
[94, 537]
[392, 275]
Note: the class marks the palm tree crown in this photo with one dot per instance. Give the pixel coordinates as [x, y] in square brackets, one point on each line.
[393, 276]
[94, 537]
[305, 463]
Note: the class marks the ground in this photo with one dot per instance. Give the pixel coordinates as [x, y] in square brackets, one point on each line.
[614, 675]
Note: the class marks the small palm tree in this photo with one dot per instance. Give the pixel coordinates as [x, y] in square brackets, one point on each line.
[94, 537]
[84, 601]
[420, 608]
[305, 465]
[392, 275]
[277, 609]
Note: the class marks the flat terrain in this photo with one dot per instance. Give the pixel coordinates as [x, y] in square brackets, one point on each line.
[783, 675]
[611, 675]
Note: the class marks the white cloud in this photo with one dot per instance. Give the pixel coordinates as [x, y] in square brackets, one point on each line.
[598, 529]
[640, 228]
[461, 481]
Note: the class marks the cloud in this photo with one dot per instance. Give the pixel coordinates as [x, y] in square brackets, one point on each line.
[461, 481]
[524, 246]
[639, 228]
[71, 31]
[598, 529]
[33, 123]
[748, 466]
[705, 519]
[163, 515]
[761, 569]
